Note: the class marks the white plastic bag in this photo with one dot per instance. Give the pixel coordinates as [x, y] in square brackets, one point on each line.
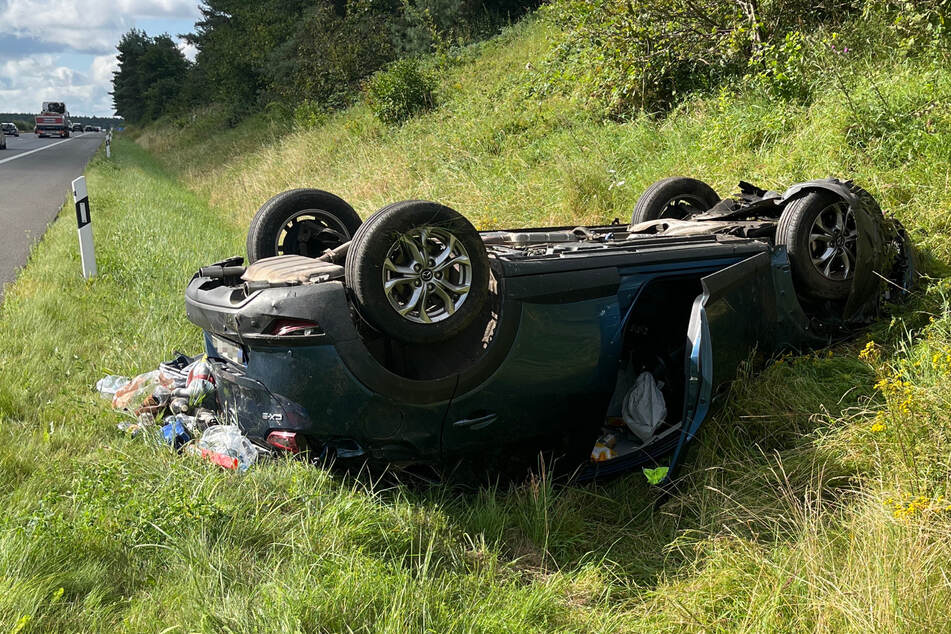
[644, 407]
[110, 384]
[228, 440]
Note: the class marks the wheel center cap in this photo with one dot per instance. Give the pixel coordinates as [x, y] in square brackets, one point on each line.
[426, 275]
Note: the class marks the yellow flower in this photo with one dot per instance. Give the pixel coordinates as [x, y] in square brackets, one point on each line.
[877, 427]
[870, 353]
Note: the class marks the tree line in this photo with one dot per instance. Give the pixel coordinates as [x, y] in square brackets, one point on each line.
[251, 54]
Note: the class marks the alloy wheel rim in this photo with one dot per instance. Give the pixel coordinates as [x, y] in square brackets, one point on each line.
[309, 233]
[427, 275]
[832, 242]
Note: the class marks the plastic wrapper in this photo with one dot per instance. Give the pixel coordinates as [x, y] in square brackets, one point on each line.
[644, 408]
[133, 394]
[229, 441]
[107, 386]
[219, 459]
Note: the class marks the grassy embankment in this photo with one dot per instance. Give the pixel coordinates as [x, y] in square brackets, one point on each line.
[814, 500]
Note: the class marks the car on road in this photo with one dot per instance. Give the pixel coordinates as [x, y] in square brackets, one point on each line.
[10, 129]
[413, 338]
[77, 127]
[88, 128]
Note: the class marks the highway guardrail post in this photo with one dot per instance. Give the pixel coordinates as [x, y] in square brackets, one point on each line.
[87, 251]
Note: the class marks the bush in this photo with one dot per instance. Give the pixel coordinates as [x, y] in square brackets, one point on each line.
[626, 56]
[400, 92]
[308, 114]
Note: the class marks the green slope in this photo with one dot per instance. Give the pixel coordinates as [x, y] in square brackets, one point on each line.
[814, 500]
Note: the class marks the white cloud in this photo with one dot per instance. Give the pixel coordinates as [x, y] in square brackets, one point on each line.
[38, 78]
[92, 26]
[45, 46]
[103, 67]
[188, 50]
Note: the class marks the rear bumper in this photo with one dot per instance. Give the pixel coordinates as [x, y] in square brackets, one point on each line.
[327, 387]
[248, 403]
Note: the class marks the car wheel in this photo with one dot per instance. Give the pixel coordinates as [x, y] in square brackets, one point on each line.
[820, 236]
[418, 271]
[300, 222]
[675, 197]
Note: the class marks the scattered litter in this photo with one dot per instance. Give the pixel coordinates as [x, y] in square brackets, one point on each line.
[178, 405]
[155, 402]
[213, 457]
[172, 394]
[205, 418]
[135, 391]
[644, 408]
[109, 385]
[176, 370]
[175, 434]
[604, 448]
[229, 441]
[199, 384]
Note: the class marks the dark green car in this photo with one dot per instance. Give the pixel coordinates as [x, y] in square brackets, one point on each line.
[413, 338]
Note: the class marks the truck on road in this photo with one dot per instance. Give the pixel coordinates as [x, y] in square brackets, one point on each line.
[53, 120]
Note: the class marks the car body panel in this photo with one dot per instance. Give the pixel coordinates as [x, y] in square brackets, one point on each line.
[550, 358]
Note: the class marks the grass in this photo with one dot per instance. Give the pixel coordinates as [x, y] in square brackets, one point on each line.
[814, 500]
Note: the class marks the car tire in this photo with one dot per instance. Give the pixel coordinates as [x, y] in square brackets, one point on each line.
[418, 271]
[820, 236]
[301, 222]
[675, 197]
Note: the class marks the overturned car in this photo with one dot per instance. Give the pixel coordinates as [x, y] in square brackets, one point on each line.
[413, 338]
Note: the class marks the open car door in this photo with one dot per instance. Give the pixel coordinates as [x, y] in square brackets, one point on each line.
[735, 315]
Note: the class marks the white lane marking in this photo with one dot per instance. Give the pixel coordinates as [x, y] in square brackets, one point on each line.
[39, 149]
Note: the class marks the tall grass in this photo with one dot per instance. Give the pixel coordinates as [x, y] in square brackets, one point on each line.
[814, 500]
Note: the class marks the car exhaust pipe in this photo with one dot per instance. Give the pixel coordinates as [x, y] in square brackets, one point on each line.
[221, 272]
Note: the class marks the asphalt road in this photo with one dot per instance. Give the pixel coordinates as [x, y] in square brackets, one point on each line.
[35, 177]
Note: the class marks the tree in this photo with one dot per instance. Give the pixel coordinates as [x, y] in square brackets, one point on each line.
[151, 74]
[127, 84]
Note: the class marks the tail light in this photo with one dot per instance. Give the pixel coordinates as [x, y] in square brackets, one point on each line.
[286, 441]
[297, 327]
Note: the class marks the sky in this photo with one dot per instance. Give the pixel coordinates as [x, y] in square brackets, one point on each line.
[65, 50]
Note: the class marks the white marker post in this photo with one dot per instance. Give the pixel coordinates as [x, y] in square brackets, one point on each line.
[83, 218]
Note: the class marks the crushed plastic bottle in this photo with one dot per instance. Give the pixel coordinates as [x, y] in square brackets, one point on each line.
[229, 441]
[108, 385]
[200, 384]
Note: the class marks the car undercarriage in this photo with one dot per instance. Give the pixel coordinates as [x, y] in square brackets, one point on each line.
[412, 338]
